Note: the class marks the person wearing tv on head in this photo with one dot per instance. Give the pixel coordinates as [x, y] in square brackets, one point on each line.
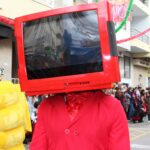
[85, 120]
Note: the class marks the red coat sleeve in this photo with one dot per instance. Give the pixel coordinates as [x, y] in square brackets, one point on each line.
[119, 133]
[39, 140]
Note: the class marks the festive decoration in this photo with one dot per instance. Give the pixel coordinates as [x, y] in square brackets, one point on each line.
[117, 2]
[119, 12]
[133, 37]
[119, 8]
[126, 17]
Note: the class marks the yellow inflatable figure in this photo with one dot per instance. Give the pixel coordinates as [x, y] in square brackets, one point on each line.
[14, 117]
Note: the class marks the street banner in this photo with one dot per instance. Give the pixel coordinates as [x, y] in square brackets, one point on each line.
[119, 9]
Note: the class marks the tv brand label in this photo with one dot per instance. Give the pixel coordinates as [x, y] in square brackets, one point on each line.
[77, 83]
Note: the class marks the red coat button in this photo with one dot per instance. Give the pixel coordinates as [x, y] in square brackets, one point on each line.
[76, 133]
[67, 131]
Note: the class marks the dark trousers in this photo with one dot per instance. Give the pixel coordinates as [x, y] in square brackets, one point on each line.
[148, 117]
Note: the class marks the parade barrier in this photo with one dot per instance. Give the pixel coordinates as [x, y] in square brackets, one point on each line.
[14, 117]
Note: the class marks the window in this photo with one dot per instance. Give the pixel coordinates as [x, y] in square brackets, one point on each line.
[65, 44]
[125, 66]
[121, 63]
[148, 81]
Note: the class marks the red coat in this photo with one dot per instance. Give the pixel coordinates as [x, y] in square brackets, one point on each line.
[101, 124]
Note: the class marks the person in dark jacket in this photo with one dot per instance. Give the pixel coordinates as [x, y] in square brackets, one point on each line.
[148, 104]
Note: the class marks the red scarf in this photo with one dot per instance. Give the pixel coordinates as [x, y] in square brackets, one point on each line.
[75, 101]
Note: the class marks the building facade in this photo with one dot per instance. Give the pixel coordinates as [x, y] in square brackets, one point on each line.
[134, 55]
[138, 63]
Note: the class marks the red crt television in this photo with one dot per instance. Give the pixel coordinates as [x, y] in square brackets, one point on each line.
[67, 49]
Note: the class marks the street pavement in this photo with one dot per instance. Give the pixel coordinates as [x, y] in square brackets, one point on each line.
[140, 135]
[26, 147]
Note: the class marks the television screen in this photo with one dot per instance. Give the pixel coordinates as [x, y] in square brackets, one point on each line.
[67, 49]
[63, 44]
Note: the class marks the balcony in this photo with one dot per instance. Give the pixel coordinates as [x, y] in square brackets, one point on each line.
[145, 2]
[144, 38]
[141, 63]
[140, 8]
[140, 47]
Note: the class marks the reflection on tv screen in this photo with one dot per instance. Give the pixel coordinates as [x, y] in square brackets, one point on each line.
[62, 45]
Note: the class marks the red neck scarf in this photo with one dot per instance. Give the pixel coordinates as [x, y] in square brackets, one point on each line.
[75, 101]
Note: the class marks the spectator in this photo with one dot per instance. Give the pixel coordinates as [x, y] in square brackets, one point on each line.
[148, 104]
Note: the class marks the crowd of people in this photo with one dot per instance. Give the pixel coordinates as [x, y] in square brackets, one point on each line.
[135, 101]
[33, 103]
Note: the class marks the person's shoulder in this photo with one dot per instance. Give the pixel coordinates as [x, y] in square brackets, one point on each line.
[47, 103]
[106, 99]
[105, 96]
[109, 105]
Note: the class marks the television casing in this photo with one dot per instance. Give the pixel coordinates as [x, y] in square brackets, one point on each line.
[78, 82]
